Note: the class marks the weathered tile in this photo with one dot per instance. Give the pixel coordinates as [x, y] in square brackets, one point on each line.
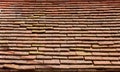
[42, 57]
[11, 66]
[54, 62]
[102, 62]
[35, 53]
[82, 53]
[43, 35]
[28, 57]
[75, 57]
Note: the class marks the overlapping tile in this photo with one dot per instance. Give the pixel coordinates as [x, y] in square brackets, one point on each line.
[64, 34]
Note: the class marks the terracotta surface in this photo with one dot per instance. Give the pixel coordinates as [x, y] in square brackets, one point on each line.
[63, 35]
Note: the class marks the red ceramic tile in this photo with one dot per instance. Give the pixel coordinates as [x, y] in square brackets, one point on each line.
[70, 35]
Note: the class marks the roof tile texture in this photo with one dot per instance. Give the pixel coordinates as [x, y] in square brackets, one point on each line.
[59, 34]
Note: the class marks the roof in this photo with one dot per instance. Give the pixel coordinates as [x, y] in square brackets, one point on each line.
[64, 35]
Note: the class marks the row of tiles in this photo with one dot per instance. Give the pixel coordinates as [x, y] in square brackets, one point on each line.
[35, 36]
